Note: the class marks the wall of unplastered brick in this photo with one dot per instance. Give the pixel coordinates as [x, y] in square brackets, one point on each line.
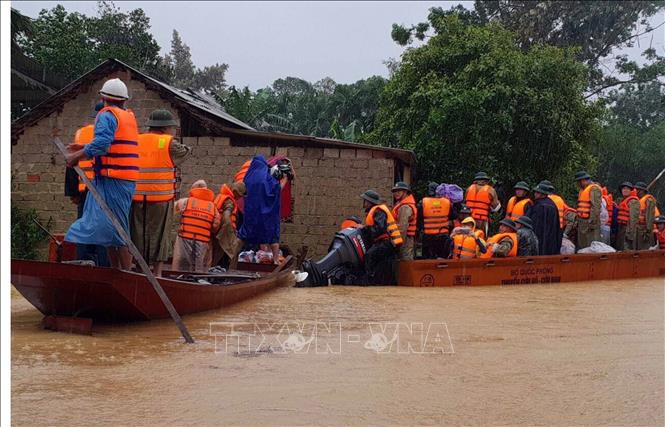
[328, 183]
[326, 190]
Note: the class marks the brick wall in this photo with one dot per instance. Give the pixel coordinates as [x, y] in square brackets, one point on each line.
[328, 182]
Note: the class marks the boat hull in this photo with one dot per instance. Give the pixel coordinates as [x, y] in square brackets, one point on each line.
[107, 294]
[532, 270]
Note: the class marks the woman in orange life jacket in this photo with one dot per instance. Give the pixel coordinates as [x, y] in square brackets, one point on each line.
[115, 151]
[405, 213]
[660, 232]
[226, 203]
[199, 221]
[466, 241]
[381, 231]
[151, 215]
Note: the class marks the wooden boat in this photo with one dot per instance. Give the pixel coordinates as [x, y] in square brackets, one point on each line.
[532, 270]
[99, 293]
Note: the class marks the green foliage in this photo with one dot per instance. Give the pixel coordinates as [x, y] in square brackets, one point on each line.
[631, 146]
[72, 43]
[596, 28]
[325, 108]
[25, 234]
[470, 99]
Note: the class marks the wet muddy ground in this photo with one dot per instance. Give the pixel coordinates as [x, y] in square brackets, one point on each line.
[566, 354]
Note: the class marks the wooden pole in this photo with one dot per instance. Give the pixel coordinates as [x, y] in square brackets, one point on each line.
[655, 179]
[132, 248]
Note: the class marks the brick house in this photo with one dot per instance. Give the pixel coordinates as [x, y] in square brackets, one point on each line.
[330, 173]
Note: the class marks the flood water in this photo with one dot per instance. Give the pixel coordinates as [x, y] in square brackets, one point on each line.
[568, 354]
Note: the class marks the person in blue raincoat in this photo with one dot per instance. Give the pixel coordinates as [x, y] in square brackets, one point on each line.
[115, 150]
[261, 222]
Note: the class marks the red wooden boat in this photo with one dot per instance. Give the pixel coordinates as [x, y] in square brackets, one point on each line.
[532, 270]
[80, 291]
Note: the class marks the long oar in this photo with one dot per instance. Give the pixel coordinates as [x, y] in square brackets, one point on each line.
[132, 248]
[655, 179]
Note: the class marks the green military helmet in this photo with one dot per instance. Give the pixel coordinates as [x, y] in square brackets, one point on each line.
[627, 184]
[481, 176]
[401, 186]
[582, 175]
[543, 188]
[640, 185]
[521, 185]
[161, 119]
[371, 196]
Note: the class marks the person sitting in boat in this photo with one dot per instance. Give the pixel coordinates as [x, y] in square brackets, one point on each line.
[381, 229]
[116, 165]
[660, 232]
[226, 203]
[527, 241]
[503, 244]
[199, 220]
[467, 240]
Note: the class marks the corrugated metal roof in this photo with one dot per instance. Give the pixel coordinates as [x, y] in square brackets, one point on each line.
[196, 99]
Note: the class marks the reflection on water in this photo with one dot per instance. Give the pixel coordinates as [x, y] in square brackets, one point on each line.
[587, 353]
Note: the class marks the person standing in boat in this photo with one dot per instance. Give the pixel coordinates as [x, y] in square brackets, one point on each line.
[437, 214]
[544, 216]
[381, 229]
[199, 220]
[481, 198]
[77, 191]
[226, 203]
[520, 204]
[151, 215]
[405, 213]
[628, 217]
[527, 242]
[503, 244]
[648, 212]
[116, 165]
[589, 204]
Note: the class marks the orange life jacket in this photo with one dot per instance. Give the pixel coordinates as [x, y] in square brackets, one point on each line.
[240, 175]
[464, 246]
[623, 217]
[478, 200]
[84, 136]
[411, 202]
[157, 174]
[392, 231]
[562, 207]
[436, 215]
[198, 216]
[516, 209]
[496, 239]
[122, 159]
[584, 201]
[660, 237]
[643, 208]
[225, 193]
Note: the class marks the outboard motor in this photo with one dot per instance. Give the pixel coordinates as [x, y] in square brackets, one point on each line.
[347, 250]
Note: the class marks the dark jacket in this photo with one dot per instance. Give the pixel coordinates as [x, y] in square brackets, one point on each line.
[545, 217]
[527, 242]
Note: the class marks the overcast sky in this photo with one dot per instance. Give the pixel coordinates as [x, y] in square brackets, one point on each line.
[263, 41]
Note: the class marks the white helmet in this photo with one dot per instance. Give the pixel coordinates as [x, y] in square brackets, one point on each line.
[114, 89]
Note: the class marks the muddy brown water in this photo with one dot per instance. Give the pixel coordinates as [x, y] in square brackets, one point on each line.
[567, 354]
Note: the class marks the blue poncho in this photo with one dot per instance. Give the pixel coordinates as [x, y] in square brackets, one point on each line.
[262, 201]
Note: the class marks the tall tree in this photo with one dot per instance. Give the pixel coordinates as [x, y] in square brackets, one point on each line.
[72, 43]
[471, 99]
[598, 29]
